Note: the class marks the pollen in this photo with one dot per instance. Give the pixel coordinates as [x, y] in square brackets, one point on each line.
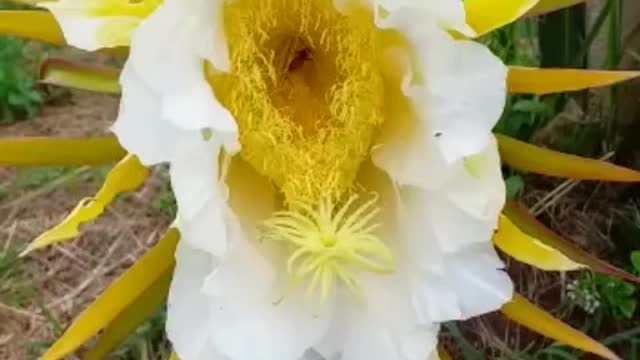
[331, 243]
[305, 90]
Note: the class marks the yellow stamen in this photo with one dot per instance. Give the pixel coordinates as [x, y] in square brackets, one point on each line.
[331, 243]
[305, 90]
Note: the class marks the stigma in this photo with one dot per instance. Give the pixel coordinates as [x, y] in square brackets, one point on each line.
[331, 243]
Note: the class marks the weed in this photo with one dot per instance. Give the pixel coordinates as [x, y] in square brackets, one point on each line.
[514, 185]
[18, 98]
[596, 292]
[148, 338]
[14, 289]
[33, 178]
[36, 348]
[164, 201]
[524, 114]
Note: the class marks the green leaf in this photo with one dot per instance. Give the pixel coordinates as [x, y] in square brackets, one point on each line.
[119, 296]
[514, 185]
[628, 308]
[635, 260]
[40, 151]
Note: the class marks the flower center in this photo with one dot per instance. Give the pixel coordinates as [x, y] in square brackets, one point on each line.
[307, 94]
[305, 90]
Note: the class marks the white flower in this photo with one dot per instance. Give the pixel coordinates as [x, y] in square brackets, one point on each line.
[337, 180]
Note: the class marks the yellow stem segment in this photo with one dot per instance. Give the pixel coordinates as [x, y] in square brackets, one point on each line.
[80, 76]
[41, 151]
[31, 24]
[527, 249]
[529, 225]
[532, 317]
[547, 6]
[527, 157]
[121, 295]
[524, 80]
[485, 16]
[130, 318]
[127, 175]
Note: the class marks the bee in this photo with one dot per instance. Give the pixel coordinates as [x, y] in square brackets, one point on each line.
[301, 57]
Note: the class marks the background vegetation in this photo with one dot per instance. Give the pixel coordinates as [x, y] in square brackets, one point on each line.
[35, 305]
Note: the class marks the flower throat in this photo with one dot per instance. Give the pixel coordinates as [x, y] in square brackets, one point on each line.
[305, 90]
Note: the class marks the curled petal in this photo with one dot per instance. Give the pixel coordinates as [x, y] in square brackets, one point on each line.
[96, 24]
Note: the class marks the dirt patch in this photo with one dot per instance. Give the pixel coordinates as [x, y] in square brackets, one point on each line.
[82, 114]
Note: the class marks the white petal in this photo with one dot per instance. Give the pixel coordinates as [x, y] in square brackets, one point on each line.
[243, 295]
[140, 127]
[449, 14]
[231, 303]
[168, 52]
[466, 210]
[477, 187]
[455, 229]
[454, 271]
[405, 147]
[462, 211]
[201, 196]
[454, 111]
[384, 327]
[463, 95]
[472, 283]
[188, 310]
[434, 299]
[408, 153]
[481, 288]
